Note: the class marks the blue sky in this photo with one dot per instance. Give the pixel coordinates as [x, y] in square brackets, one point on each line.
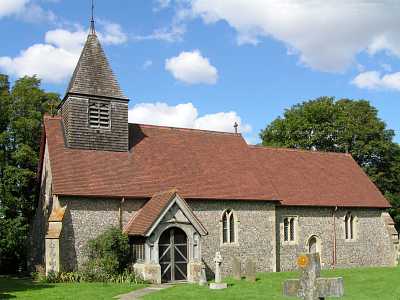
[209, 63]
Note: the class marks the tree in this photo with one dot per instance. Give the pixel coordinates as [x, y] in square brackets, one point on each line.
[344, 125]
[21, 112]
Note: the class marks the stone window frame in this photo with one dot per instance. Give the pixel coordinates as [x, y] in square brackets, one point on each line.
[232, 214]
[350, 227]
[293, 219]
[98, 103]
[318, 245]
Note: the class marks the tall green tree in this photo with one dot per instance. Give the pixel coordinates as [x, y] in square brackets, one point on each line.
[22, 107]
[344, 125]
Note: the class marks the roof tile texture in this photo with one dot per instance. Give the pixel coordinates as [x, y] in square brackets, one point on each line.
[142, 221]
[208, 165]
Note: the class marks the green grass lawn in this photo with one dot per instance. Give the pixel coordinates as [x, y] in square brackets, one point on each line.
[12, 288]
[361, 284]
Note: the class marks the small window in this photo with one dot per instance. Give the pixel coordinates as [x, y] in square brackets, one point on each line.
[349, 226]
[289, 229]
[228, 227]
[138, 252]
[99, 115]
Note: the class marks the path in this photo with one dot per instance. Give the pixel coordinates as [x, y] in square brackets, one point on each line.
[138, 294]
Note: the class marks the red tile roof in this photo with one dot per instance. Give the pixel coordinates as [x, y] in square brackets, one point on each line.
[200, 164]
[207, 165]
[141, 222]
[317, 178]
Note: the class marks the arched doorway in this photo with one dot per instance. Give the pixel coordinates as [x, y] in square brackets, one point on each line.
[173, 255]
[314, 245]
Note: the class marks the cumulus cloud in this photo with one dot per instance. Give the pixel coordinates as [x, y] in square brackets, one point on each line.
[374, 80]
[327, 35]
[25, 10]
[192, 68]
[12, 7]
[112, 33]
[55, 60]
[185, 115]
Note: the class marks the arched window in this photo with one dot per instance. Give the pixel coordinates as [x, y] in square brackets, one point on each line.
[228, 227]
[349, 226]
[289, 230]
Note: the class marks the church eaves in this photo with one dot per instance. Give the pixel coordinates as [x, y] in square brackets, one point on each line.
[93, 75]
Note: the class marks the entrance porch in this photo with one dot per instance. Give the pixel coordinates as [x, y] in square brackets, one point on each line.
[166, 240]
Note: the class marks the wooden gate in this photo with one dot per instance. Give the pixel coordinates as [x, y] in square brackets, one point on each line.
[173, 251]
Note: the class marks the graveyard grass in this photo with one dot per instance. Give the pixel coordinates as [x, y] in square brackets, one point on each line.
[13, 288]
[360, 283]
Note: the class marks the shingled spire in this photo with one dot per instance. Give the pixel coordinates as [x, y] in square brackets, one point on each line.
[94, 109]
[93, 75]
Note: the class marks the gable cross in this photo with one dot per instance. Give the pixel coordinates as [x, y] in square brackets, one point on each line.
[311, 286]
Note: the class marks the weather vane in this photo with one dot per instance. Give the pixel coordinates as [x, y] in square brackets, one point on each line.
[92, 29]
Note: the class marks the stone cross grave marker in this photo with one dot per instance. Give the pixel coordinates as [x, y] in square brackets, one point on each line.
[236, 268]
[217, 285]
[311, 286]
[250, 270]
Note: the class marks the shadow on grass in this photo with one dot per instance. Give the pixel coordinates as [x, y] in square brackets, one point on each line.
[10, 285]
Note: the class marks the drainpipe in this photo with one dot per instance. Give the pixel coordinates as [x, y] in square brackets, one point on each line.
[334, 238]
[120, 212]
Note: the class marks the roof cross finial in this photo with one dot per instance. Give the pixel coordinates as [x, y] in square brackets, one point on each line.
[92, 29]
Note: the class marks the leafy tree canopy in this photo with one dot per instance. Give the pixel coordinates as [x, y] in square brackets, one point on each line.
[21, 112]
[345, 125]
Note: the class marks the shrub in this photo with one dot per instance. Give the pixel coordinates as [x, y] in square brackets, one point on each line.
[108, 260]
[109, 253]
[77, 277]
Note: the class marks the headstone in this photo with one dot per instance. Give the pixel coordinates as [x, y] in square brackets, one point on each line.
[250, 270]
[203, 277]
[311, 286]
[217, 285]
[236, 268]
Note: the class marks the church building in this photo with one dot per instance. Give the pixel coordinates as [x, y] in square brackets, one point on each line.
[183, 194]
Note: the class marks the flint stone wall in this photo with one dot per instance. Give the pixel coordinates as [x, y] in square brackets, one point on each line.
[255, 233]
[85, 219]
[372, 245]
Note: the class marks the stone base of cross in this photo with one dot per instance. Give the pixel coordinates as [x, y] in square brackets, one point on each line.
[311, 286]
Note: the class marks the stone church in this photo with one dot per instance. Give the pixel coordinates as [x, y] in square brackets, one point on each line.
[182, 194]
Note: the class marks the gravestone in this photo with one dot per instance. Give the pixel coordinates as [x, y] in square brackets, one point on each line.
[250, 270]
[311, 286]
[218, 285]
[203, 277]
[236, 268]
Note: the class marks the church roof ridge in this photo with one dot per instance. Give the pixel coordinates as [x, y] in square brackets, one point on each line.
[261, 147]
[186, 129]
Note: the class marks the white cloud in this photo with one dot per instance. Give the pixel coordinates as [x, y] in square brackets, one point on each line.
[147, 64]
[192, 68]
[171, 34]
[327, 35]
[11, 7]
[162, 4]
[25, 10]
[112, 33]
[69, 40]
[185, 115]
[50, 63]
[374, 80]
[55, 60]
